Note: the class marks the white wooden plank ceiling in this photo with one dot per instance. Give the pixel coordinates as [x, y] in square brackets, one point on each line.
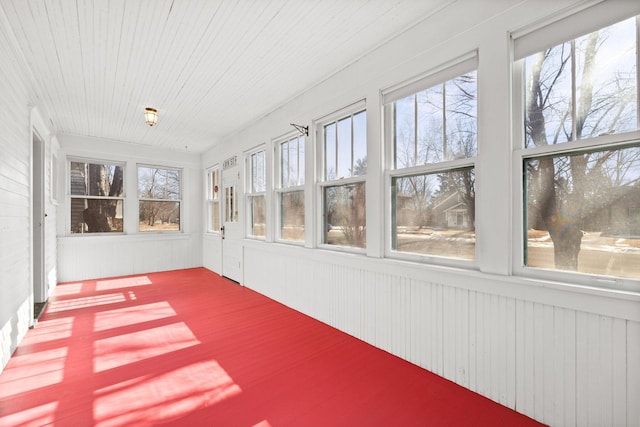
[209, 67]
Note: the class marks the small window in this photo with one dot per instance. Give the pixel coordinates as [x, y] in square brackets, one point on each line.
[580, 171]
[97, 197]
[290, 194]
[433, 135]
[213, 200]
[256, 201]
[345, 169]
[159, 198]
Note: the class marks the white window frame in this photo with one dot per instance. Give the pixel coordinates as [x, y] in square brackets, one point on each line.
[280, 188]
[251, 193]
[447, 71]
[211, 199]
[322, 183]
[529, 41]
[142, 199]
[72, 159]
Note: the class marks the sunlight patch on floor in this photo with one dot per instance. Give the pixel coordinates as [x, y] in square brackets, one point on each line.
[129, 316]
[40, 415]
[58, 306]
[49, 330]
[44, 367]
[119, 283]
[168, 395]
[124, 349]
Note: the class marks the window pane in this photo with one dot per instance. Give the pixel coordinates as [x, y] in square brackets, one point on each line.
[431, 127]
[344, 148]
[434, 214]
[345, 220]
[330, 167]
[284, 162]
[461, 117]
[96, 215]
[360, 144]
[159, 216]
[606, 81]
[90, 179]
[301, 160]
[582, 212]
[293, 162]
[214, 191]
[156, 183]
[292, 215]
[258, 223]
[548, 118]
[405, 132]
[437, 124]
[258, 174]
[215, 216]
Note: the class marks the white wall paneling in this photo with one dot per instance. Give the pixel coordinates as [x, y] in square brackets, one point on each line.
[211, 252]
[562, 366]
[90, 257]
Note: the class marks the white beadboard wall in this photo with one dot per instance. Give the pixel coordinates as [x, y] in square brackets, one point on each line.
[18, 116]
[211, 250]
[562, 366]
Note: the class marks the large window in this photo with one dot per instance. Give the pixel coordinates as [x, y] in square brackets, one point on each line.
[434, 143]
[213, 200]
[581, 164]
[290, 194]
[159, 197]
[343, 187]
[97, 197]
[256, 202]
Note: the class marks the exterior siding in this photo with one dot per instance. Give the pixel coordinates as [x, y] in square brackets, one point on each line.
[15, 196]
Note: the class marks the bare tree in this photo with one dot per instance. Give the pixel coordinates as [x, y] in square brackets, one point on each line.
[564, 191]
[102, 180]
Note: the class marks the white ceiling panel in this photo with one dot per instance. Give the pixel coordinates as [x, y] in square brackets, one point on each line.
[209, 67]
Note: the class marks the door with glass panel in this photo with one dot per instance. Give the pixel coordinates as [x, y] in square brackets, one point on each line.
[231, 229]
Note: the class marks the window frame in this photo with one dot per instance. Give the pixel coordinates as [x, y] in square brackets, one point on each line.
[212, 198]
[251, 194]
[520, 153]
[321, 181]
[180, 200]
[440, 75]
[280, 189]
[70, 196]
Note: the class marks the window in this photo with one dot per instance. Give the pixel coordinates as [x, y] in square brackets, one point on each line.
[290, 194]
[343, 187]
[581, 163]
[256, 194]
[159, 197]
[433, 136]
[213, 200]
[97, 197]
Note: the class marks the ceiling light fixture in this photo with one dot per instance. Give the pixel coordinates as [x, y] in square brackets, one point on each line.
[150, 116]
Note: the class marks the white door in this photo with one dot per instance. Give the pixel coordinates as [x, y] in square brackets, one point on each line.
[231, 229]
[38, 218]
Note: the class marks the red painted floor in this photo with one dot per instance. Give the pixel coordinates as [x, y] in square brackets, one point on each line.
[191, 348]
